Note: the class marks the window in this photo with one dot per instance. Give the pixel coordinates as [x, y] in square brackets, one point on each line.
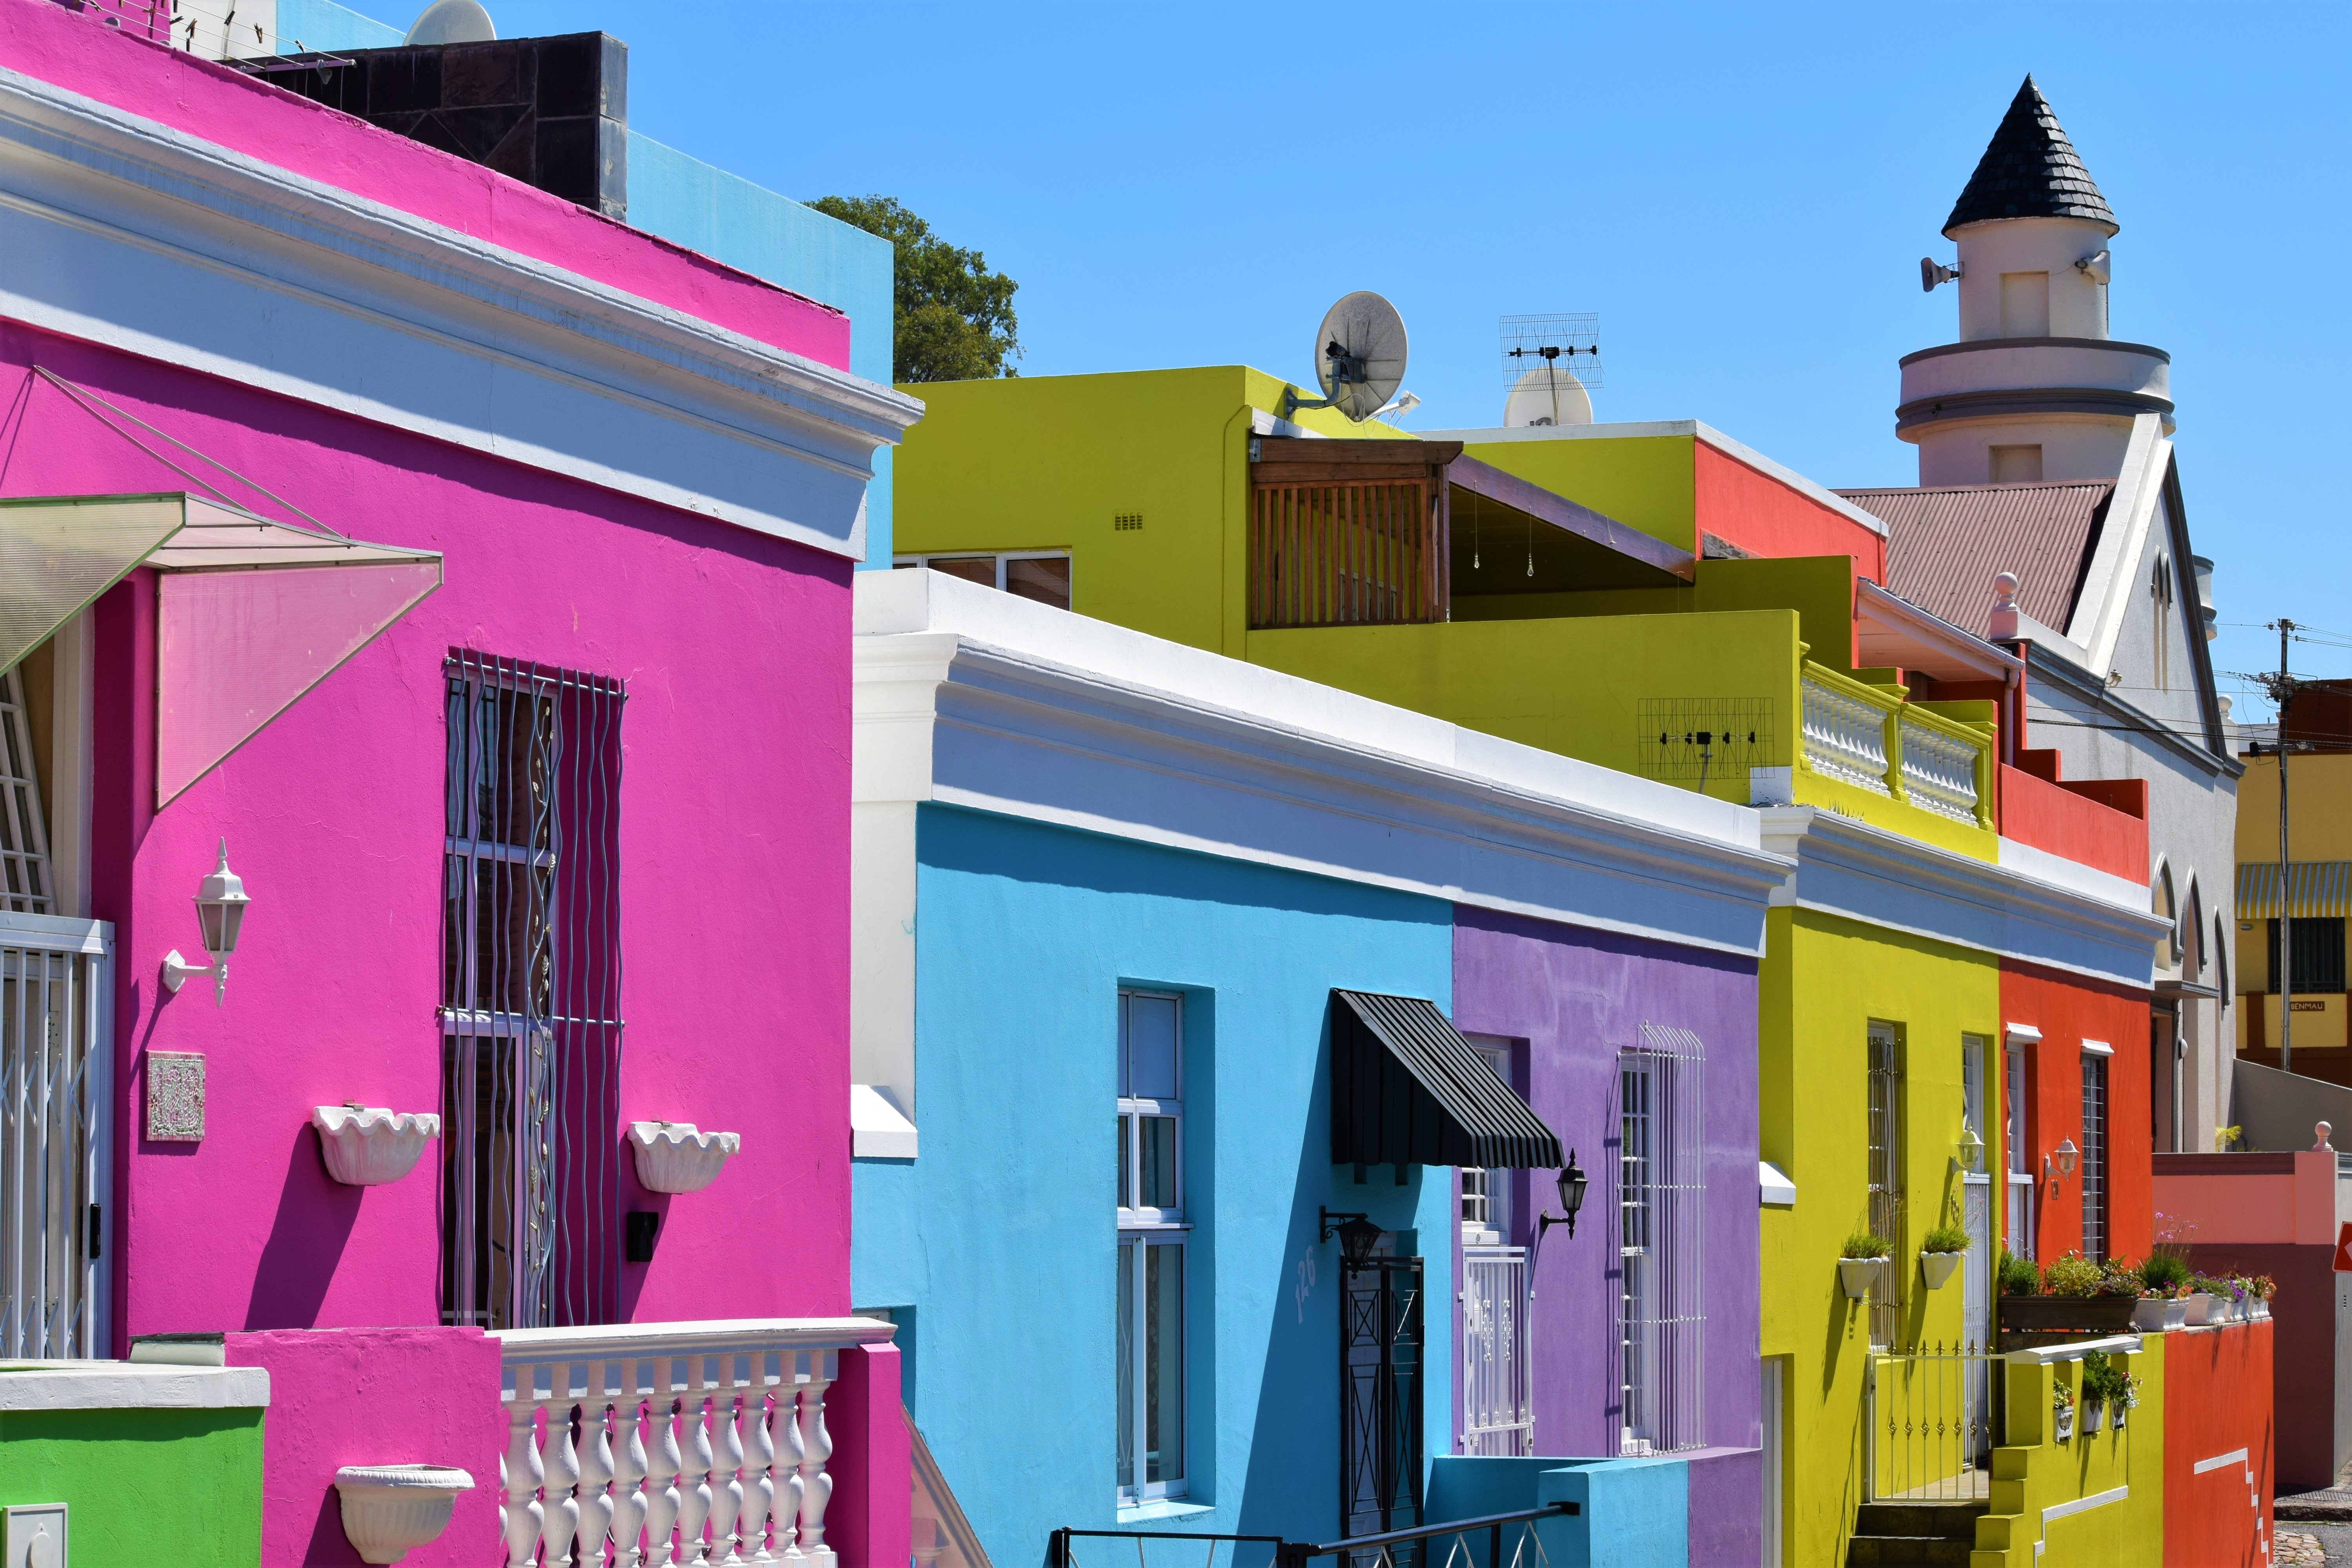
[2019, 1230]
[1043, 575]
[1151, 1238]
[2094, 1155]
[24, 879]
[2025, 304]
[1486, 1194]
[2319, 955]
[530, 1032]
[2221, 958]
[2161, 593]
[1661, 1185]
[2016, 465]
[1885, 1158]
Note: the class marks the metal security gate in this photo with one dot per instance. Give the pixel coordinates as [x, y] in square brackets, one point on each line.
[531, 1022]
[1497, 1405]
[56, 1056]
[1380, 1338]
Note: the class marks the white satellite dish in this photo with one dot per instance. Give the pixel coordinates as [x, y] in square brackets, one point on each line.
[453, 22]
[1547, 396]
[1359, 357]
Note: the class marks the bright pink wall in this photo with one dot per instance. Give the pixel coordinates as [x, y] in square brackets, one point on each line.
[1766, 517]
[734, 877]
[47, 41]
[380, 1396]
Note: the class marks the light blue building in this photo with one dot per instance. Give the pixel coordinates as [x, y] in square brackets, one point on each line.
[1100, 878]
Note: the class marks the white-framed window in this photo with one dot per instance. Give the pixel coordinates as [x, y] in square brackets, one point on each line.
[1152, 1236]
[1043, 575]
[1886, 1183]
[1661, 1251]
[2016, 1101]
[1486, 1194]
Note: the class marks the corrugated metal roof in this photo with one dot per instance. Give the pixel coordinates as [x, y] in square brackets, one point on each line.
[1945, 543]
[2319, 889]
[1408, 1089]
[2030, 170]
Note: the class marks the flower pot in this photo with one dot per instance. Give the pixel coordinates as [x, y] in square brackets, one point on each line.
[2176, 1313]
[1859, 1274]
[2262, 1310]
[2094, 1414]
[2121, 1411]
[365, 1147]
[2062, 1422]
[1937, 1267]
[388, 1508]
[674, 1157]
[2066, 1314]
[2200, 1310]
[2148, 1314]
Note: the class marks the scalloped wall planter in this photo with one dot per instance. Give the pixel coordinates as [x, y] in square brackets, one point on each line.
[675, 1157]
[1936, 1269]
[390, 1509]
[1859, 1274]
[367, 1146]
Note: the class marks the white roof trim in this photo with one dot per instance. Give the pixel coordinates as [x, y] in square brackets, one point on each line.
[165, 246]
[131, 1386]
[2111, 584]
[1635, 430]
[1934, 634]
[969, 696]
[1775, 1190]
[877, 1129]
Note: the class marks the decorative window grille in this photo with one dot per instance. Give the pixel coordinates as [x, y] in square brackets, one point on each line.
[530, 990]
[1497, 1388]
[25, 884]
[1151, 1245]
[56, 992]
[1886, 1180]
[1661, 1218]
[2095, 1157]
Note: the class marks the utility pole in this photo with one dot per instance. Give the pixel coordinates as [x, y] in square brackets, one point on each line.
[2287, 918]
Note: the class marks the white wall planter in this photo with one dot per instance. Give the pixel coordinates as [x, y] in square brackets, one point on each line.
[674, 1157]
[367, 1146]
[2262, 1309]
[1936, 1269]
[2160, 1314]
[388, 1508]
[1859, 1274]
[2093, 1413]
[2062, 1422]
[2201, 1311]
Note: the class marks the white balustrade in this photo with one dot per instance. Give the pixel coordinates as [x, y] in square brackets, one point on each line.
[1940, 773]
[671, 1445]
[1846, 736]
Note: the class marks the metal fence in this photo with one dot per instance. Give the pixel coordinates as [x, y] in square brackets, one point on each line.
[55, 1028]
[1930, 1420]
[1497, 1405]
[1491, 1540]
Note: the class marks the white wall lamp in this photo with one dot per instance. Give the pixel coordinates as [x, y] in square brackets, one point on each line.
[1971, 1152]
[220, 913]
[2060, 1165]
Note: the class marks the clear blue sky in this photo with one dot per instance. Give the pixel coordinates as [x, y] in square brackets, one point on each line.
[1743, 193]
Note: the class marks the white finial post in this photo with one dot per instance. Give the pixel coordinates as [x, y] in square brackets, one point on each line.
[2320, 1132]
[2003, 627]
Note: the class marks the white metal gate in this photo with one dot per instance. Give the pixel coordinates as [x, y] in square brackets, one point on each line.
[56, 1024]
[1497, 1403]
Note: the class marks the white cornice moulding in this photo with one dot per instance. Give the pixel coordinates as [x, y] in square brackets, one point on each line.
[2097, 1049]
[131, 1386]
[162, 244]
[1774, 1189]
[878, 1129]
[2022, 1035]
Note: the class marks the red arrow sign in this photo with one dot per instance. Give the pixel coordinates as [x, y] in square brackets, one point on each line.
[2344, 1247]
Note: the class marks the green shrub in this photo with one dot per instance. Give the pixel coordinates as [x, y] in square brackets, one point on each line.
[2103, 1380]
[2163, 1273]
[2072, 1274]
[2018, 1275]
[1859, 1245]
[1945, 1238]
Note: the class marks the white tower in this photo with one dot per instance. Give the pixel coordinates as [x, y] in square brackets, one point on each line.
[2034, 389]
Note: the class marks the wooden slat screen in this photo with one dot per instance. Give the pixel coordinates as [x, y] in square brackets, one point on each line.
[1366, 553]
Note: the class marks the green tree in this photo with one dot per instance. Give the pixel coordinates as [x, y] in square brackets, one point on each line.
[953, 318]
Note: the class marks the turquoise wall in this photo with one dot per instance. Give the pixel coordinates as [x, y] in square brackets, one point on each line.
[1002, 1236]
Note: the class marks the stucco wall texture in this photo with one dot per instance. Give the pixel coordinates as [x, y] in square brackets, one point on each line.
[142, 1486]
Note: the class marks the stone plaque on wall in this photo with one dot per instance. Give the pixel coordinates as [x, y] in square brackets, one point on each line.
[176, 1097]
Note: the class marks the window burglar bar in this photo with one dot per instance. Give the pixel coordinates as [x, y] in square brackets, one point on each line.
[1661, 1215]
[55, 996]
[2095, 1157]
[1931, 1427]
[531, 996]
[25, 885]
[1886, 1180]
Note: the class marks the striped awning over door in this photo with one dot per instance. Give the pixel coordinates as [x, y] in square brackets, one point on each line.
[1408, 1089]
[2316, 889]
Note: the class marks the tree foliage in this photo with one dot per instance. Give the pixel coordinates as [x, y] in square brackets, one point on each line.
[953, 318]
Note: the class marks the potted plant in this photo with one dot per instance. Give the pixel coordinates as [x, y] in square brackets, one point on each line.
[2062, 1412]
[2077, 1295]
[2127, 1398]
[2104, 1387]
[1861, 1262]
[2162, 1307]
[1940, 1255]
[2264, 1288]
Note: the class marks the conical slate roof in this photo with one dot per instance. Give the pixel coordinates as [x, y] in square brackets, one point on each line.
[2029, 171]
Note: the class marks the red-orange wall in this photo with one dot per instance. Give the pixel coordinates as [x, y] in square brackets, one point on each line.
[2049, 816]
[1765, 517]
[2216, 1401]
[2069, 1010]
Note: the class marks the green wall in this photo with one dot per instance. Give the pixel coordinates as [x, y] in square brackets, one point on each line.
[1824, 980]
[141, 1486]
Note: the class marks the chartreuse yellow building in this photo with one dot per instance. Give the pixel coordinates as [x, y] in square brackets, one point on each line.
[1659, 600]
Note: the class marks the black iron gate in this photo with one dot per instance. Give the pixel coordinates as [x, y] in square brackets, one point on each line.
[1381, 1321]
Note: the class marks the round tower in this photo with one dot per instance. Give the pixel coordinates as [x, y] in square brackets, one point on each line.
[2036, 388]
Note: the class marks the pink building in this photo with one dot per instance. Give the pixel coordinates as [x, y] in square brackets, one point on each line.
[489, 596]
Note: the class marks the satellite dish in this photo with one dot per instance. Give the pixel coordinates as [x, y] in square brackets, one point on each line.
[1359, 357]
[453, 22]
[1547, 396]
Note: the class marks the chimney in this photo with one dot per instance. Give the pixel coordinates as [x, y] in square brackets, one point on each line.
[551, 112]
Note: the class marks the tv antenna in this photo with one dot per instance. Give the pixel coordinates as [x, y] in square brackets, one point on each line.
[1359, 358]
[1546, 392]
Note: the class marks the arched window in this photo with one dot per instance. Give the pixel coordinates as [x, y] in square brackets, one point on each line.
[2189, 944]
[2221, 956]
[2162, 900]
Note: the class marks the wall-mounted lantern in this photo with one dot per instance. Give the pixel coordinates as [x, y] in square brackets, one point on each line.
[2060, 1165]
[1358, 1234]
[1971, 1152]
[1571, 1183]
[220, 914]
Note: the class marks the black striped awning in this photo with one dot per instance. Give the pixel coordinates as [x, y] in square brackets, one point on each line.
[1408, 1089]
[2316, 888]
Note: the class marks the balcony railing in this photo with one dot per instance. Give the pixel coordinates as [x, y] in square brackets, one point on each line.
[655, 1444]
[1343, 554]
[1870, 737]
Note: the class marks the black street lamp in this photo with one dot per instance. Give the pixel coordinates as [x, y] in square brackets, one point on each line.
[1572, 1183]
[1358, 1234]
